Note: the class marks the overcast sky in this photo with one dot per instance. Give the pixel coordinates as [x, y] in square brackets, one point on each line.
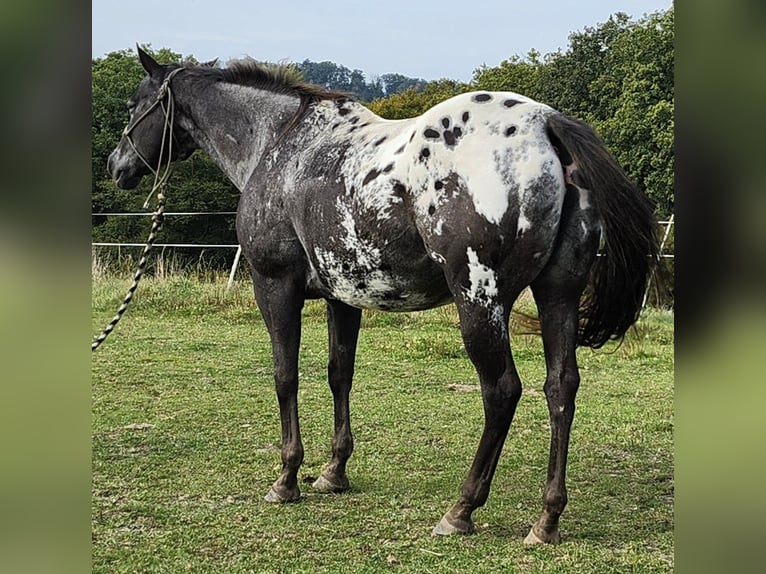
[427, 39]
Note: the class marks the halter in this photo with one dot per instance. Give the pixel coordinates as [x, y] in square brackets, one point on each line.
[161, 176]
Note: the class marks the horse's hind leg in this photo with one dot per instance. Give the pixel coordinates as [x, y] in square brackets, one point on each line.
[557, 292]
[280, 302]
[343, 326]
[484, 327]
[558, 318]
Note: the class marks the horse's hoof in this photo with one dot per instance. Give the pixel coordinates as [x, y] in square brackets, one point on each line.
[275, 498]
[448, 526]
[533, 538]
[328, 486]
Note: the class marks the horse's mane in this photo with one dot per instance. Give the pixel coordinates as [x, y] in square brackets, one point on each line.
[283, 79]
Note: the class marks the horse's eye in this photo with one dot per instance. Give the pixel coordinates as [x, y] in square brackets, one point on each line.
[131, 107]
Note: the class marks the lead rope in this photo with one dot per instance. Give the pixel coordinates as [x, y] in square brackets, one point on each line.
[160, 183]
[157, 219]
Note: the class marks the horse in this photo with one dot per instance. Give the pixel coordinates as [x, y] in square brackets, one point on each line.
[478, 198]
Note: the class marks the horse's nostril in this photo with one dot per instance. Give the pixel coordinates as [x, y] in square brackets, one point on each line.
[112, 167]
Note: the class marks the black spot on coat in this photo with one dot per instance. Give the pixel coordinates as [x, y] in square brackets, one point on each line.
[372, 174]
[482, 98]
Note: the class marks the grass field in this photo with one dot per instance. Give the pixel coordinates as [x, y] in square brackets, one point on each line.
[186, 444]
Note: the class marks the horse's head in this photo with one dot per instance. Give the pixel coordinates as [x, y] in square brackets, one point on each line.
[153, 138]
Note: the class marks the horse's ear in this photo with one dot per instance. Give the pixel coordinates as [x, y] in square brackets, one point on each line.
[150, 65]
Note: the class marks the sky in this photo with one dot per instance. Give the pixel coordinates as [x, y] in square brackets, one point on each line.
[429, 39]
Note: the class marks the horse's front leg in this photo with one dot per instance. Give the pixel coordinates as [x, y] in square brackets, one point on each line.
[343, 327]
[281, 301]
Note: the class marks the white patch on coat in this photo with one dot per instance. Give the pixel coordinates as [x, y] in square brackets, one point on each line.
[365, 253]
[523, 224]
[498, 316]
[344, 285]
[482, 280]
[584, 198]
[490, 165]
[377, 195]
[438, 257]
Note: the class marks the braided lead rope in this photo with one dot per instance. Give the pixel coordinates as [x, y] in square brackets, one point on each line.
[157, 219]
[160, 183]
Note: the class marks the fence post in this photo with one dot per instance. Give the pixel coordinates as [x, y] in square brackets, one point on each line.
[234, 268]
[662, 250]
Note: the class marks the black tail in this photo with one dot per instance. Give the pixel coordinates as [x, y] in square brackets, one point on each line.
[612, 301]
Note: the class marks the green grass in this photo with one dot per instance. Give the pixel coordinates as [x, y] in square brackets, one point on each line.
[186, 436]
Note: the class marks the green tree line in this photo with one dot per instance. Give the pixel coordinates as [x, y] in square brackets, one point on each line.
[617, 76]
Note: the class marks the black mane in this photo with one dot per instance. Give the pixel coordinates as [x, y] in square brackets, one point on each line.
[282, 79]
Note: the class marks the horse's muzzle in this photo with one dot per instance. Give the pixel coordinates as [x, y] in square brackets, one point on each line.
[125, 176]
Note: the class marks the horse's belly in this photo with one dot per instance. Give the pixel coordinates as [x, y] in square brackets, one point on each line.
[385, 288]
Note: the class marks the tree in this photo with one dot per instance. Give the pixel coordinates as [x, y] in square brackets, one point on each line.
[637, 111]
[336, 77]
[327, 74]
[566, 77]
[412, 102]
[397, 83]
[520, 75]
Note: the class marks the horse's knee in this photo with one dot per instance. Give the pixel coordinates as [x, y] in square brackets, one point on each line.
[510, 385]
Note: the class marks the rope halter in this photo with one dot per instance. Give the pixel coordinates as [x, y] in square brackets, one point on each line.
[161, 174]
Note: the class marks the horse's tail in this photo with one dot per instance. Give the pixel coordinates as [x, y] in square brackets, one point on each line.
[613, 299]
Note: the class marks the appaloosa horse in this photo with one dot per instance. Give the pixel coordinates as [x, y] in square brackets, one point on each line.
[481, 196]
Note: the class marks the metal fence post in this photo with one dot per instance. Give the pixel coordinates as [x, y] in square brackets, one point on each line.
[668, 226]
[234, 268]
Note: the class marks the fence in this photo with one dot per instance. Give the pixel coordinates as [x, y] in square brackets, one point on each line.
[668, 227]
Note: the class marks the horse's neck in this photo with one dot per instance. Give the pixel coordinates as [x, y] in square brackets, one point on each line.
[235, 124]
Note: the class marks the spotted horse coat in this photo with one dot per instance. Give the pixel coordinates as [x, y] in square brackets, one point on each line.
[387, 212]
[481, 196]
